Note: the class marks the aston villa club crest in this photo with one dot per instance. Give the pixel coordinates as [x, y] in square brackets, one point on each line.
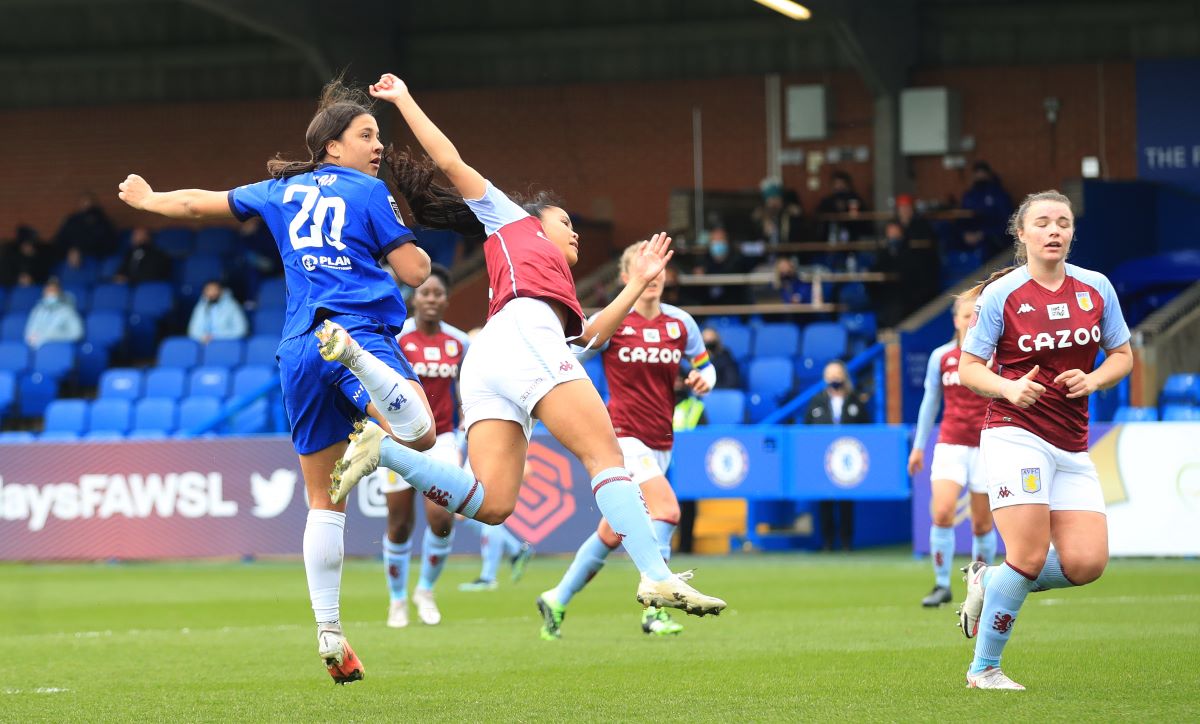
[1031, 479]
[1085, 300]
[451, 348]
[673, 330]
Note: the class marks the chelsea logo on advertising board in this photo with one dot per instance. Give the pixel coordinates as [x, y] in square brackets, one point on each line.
[727, 463]
[847, 462]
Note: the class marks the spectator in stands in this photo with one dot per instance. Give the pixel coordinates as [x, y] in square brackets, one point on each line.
[728, 375]
[780, 218]
[88, 229]
[217, 315]
[791, 289]
[259, 258]
[76, 269]
[914, 225]
[723, 258]
[837, 404]
[53, 318]
[916, 275]
[30, 261]
[843, 199]
[991, 205]
[144, 262]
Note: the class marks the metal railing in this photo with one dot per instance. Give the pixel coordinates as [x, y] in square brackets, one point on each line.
[873, 354]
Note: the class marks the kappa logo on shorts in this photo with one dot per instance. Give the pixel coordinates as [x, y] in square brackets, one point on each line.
[1004, 493]
[1031, 480]
[546, 500]
[566, 366]
[1003, 622]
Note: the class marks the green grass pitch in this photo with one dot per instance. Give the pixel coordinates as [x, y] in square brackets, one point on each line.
[806, 637]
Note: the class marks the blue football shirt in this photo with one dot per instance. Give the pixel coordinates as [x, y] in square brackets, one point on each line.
[333, 226]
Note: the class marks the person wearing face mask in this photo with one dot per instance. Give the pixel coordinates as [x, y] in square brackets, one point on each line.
[217, 315]
[837, 404]
[53, 318]
[722, 259]
[728, 374]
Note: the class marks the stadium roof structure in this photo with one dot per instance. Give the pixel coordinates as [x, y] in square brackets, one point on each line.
[84, 52]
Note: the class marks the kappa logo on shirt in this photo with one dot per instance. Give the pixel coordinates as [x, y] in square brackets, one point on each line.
[1058, 311]
[952, 362]
[410, 347]
[1024, 308]
[627, 330]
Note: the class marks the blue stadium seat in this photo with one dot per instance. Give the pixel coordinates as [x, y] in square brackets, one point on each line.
[14, 356]
[110, 266]
[104, 328]
[103, 436]
[594, 366]
[808, 371]
[109, 415]
[3, 297]
[260, 350]
[154, 415]
[197, 410]
[854, 295]
[55, 359]
[166, 382]
[182, 352]
[253, 419]
[15, 437]
[268, 321]
[79, 294]
[1181, 389]
[66, 416]
[272, 292]
[34, 391]
[780, 339]
[197, 271]
[84, 276]
[58, 436]
[218, 240]
[208, 382]
[1180, 413]
[769, 381]
[859, 325]
[121, 382]
[175, 241]
[725, 407]
[22, 299]
[720, 321]
[958, 264]
[1135, 414]
[93, 360]
[737, 340]
[222, 353]
[823, 341]
[153, 299]
[12, 327]
[250, 378]
[8, 392]
[110, 297]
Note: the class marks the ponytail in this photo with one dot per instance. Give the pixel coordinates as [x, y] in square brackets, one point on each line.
[433, 205]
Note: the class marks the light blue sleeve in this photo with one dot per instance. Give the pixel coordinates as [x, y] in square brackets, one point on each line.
[463, 340]
[250, 200]
[932, 401]
[695, 345]
[989, 323]
[494, 209]
[1113, 330]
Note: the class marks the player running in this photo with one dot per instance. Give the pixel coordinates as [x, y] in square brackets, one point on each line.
[956, 462]
[1045, 321]
[641, 364]
[520, 367]
[333, 222]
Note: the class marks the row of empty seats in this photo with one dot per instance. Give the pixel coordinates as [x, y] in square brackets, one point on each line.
[152, 417]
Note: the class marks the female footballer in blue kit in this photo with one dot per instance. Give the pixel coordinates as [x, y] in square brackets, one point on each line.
[334, 221]
[1046, 321]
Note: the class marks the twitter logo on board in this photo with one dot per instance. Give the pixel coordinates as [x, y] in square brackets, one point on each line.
[272, 495]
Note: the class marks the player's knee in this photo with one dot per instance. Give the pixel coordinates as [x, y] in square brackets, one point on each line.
[981, 527]
[1027, 564]
[399, 531]
[667, 512]
[943, 516]
[494, 512]
[442, 523]
[1082, 571]
[608, 537]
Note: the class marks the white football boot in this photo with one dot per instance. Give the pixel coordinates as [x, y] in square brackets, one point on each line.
[360, 459]
[972, 606]
[398, 613]
[427, 609]
[992, 678]
[674, 592]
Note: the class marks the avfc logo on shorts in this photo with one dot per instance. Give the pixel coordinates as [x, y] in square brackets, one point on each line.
[1031, 480]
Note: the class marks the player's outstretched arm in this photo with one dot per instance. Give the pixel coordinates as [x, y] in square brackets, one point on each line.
[181, 204]
[469, 182]
[651, 260]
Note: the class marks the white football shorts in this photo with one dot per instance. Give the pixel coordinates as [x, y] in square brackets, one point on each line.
[518, 356]
[1022, 469]
[960, 464]
[643, 463]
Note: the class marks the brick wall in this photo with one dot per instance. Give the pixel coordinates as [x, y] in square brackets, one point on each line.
[612, 151]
